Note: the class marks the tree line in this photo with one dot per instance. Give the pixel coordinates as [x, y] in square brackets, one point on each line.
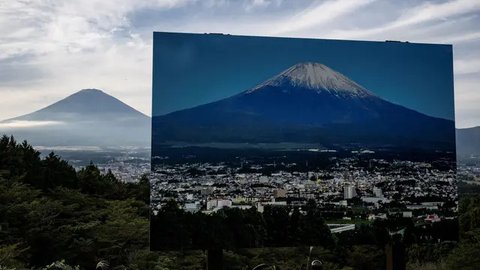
[54, 217]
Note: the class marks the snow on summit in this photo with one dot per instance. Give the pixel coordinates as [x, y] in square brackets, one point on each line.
[317, 77]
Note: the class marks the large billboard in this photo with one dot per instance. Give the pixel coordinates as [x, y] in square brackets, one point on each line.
[266, 142]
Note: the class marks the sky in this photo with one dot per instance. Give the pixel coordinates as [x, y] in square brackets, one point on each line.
[51, 49]
[194, 69]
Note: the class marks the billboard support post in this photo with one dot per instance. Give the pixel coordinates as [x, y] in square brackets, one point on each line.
[215, 259]
[395, 251]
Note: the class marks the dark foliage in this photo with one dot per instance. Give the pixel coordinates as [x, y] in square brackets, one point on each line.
[49, 212]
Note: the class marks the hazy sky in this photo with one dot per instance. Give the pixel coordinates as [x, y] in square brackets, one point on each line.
[194, 69]
[50, 49]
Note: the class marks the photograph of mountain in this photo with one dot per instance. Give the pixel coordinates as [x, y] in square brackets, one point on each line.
[309, 103]
[296, 141]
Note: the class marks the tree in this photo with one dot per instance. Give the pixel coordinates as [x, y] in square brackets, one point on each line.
[276, 224]
[56, 172]
[314, 229]
[49, 213]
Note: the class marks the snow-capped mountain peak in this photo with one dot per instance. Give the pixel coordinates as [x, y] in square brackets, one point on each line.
[318, 77]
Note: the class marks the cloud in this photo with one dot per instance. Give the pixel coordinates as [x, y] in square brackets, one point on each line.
[49, 49]
[463, 66]
[16, 124]
[467, 98]
[412, 16]
[15, 74]
[319, 14]
[259, 4]
[68, 148]
[464, 37]
[430, 11]
[52, 48]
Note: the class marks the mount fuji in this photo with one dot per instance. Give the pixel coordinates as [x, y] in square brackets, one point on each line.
[306, 103]
[89, 117]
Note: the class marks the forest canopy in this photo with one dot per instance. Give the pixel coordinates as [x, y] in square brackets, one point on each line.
[55, 217]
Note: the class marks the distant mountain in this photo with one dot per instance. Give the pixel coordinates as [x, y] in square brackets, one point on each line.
[87, 117]
[468, 141]
[308, 102]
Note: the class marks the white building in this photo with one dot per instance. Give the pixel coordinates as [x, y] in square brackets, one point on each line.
[377, 192]
[192, 207]
[349, 192]
[218, 204]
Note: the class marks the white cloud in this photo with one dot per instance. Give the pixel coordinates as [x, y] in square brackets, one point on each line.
[73, 45]
[463, 66]
[68, 148]
[15, 124]
[49, 49]
[464, 37]
[467, 99]
[319, 14]
[430, 11]
[255, 4]
[413, 16]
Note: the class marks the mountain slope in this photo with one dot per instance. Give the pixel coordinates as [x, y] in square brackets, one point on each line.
[468, 141]
[84, 104]
[308, 102]
[87, 117]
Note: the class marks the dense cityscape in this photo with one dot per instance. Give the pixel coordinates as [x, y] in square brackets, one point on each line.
[358, 188]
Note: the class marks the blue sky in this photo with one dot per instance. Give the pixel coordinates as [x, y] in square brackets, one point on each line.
[193, 69]
[50, 49]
